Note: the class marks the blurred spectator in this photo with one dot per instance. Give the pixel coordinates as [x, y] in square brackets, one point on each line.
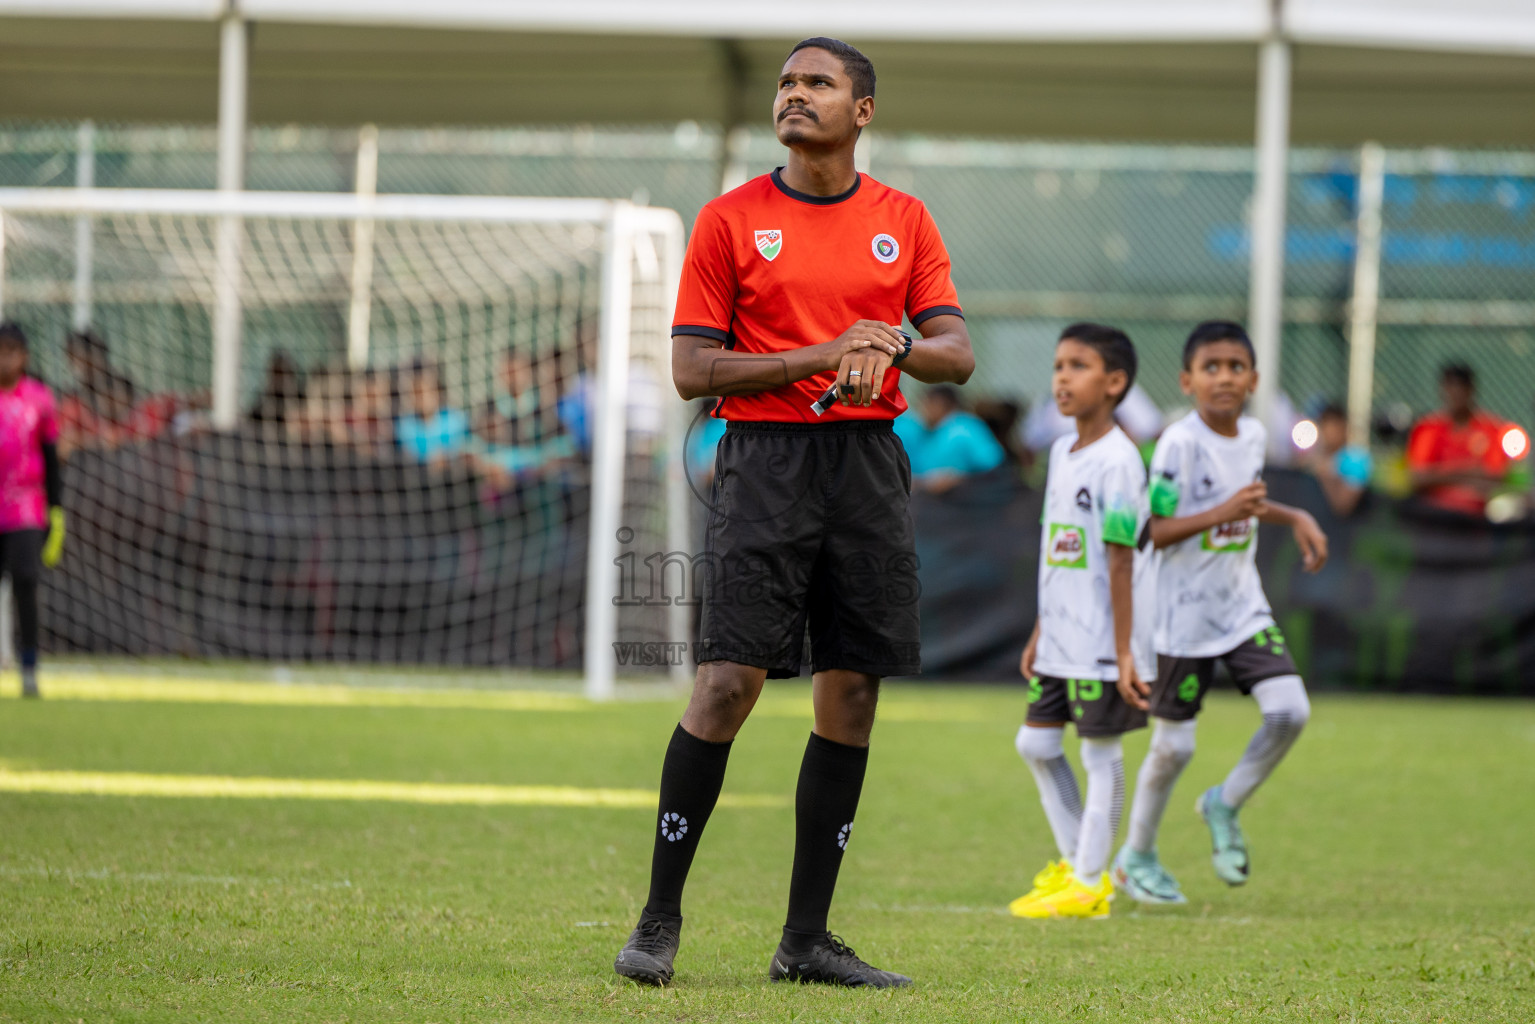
[1138, 415]
[370, 419]
[105, 410]
[1343, 470]
[524, 409]
[428, 430]
[322, 416]
[1455, 455]
[704, 434]
[518, 434]
[96, 413]
[645, 405]
[281, 393]
[944, 442]
[1001, 416]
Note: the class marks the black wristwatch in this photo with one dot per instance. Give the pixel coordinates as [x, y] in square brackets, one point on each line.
[904, 352]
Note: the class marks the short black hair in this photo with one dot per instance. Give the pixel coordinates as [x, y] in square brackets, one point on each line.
[858, 67]
[1113, 347]
[1212, 332]
[11, 334]
[1332, 411]
[1458, 371]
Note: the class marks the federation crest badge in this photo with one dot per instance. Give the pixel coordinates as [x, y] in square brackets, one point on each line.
[770, 244]
[885, 248]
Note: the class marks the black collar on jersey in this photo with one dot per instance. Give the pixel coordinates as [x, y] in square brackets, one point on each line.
[806, 197]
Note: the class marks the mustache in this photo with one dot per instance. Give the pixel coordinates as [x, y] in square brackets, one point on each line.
[799, 110]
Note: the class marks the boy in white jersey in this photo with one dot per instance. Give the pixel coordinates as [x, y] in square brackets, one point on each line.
[1080, 660]
[1207, 497]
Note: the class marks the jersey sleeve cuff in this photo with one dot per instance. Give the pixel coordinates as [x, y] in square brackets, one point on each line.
[713, 333]
[932, 311]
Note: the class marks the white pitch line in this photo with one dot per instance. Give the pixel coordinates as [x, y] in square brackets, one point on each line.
[136, 784]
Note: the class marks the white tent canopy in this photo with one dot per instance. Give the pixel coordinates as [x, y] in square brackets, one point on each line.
[1401, 71]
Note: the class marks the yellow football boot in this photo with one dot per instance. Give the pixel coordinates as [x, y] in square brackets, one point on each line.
[1054, 877]
[1072, 900]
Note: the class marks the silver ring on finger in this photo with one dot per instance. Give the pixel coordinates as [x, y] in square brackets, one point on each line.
[855, 373]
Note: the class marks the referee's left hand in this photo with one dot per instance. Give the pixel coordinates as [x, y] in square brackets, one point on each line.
[864, 372]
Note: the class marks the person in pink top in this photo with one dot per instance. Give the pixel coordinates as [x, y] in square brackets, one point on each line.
[31, 486]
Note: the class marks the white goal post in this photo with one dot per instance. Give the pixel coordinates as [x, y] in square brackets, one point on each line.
[630, 250]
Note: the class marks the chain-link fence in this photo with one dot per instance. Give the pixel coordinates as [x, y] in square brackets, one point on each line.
[1150, 238]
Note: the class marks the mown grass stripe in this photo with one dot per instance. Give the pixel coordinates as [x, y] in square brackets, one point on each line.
[211, 691]
[136, 784]
[71, 686]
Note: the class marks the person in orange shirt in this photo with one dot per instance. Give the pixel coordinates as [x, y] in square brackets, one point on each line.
[1455, 454]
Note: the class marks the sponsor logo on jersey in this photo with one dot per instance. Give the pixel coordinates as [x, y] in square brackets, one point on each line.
[1067, 547]
[1235, 536]
[1085, 500]
[886, 249]
[769, 244]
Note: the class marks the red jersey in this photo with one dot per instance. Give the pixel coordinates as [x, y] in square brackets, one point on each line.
[1437, 442]
[769, 269]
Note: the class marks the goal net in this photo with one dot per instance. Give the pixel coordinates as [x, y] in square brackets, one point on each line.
[392, 429]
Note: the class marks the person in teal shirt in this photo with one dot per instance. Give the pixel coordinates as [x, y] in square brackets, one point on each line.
[1343, 470]
[944, 442]
[430, 432]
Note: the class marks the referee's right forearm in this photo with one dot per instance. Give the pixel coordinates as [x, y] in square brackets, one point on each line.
[702, 368]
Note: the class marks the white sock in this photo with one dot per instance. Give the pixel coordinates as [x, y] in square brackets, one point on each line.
[1282, 700]
[1042, 751]
[1103, 761]
[1172, 748]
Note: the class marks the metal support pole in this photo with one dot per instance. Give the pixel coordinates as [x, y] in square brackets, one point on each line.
[359, 316]
[230, 230]
[735, 73]
[679, 502]
[609, 412]
[85, 237]
[1266, 288]
[1365, 303]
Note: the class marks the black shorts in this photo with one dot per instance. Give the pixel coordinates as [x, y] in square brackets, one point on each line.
[1094, 705]
[1181, 684]
[809, 525]
[21, 554]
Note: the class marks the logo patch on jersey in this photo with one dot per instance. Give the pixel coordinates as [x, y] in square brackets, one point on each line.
[769, 244]
[1237, 536]
[886, 249]
[1085, 500]
[1067, 547]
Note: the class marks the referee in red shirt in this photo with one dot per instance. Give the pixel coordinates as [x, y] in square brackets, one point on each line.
[794, 282]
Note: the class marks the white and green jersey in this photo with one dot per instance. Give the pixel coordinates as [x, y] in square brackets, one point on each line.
[1093, 497]
[1209, 596]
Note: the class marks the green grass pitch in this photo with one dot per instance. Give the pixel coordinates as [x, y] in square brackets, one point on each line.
[1392, 857]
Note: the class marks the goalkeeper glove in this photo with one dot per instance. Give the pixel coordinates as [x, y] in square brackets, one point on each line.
[53, 547]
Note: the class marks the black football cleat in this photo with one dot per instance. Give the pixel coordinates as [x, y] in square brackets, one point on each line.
[646, 958]
[829, 961]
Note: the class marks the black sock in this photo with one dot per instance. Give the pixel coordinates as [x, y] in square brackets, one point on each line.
[691, 777]
[830, 780]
